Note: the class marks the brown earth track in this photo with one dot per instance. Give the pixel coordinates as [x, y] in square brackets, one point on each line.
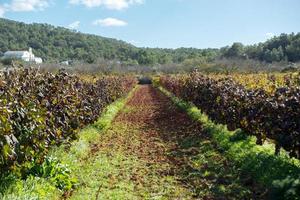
[160, 122]
[167, 141]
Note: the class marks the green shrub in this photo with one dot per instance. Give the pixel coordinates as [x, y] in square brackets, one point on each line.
[57, 172]
[288, 189]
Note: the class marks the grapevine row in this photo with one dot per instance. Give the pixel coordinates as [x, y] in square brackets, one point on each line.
[39, 110]
[268, 82]
[273, 116]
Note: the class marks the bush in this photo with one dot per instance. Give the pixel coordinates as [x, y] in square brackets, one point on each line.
[288, 189]
[7, 61]
[58, 173]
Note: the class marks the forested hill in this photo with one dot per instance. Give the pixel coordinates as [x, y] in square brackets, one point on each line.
[59, 44]
[285, 47]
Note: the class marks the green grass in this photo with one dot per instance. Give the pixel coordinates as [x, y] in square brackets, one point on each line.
[116, 171]
[113, 173]
[100, 177]
[280, 174]
[13, 188]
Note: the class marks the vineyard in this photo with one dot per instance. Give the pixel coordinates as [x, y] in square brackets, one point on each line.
[269, 115]
[160, 141]
[39, 110]
[149, 100]
[268, 82]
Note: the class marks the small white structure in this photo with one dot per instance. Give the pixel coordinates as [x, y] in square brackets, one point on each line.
[38, 60]
[26, 56]
[66, 62]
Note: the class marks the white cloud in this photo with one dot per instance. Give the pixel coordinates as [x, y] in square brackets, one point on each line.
[110, 4]
[116, 4]
[109, 22]
[74, 25]
[270, 35]
[2, 11]
[87, 3]
[134, 42]
[27, 5]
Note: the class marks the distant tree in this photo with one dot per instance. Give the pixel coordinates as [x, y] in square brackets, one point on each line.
[285, 47]
[236, 50]
[145, 57]
[293, 50]
[164, 59]
[58, 43]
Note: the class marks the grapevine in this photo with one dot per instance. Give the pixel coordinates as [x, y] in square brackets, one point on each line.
[266, 115]
[39, 110]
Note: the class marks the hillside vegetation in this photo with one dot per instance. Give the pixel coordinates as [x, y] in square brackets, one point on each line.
[56, 44]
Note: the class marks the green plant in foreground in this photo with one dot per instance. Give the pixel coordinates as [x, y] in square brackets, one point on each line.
[57, 172]
[288, 188]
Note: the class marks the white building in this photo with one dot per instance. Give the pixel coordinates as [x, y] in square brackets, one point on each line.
[26, 56]
[66, 62]
[38, 60]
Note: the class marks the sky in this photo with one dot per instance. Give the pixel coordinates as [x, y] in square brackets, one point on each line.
[164, 23]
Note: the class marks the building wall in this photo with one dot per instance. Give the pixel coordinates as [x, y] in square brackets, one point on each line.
[27, 56]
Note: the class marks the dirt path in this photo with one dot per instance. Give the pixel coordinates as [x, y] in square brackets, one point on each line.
[155, 151]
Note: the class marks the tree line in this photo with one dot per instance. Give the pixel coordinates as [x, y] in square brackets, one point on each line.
[285, 47]
[56, 44]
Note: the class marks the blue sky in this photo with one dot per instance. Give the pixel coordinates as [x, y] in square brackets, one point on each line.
[165, 23]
